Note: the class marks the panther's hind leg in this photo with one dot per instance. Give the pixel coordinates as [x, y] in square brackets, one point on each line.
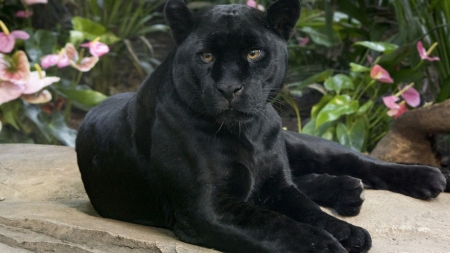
[345, 194]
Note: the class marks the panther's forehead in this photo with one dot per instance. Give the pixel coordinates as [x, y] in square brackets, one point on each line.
[230, 25]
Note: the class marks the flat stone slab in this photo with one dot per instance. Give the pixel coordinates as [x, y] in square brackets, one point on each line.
[43, 208]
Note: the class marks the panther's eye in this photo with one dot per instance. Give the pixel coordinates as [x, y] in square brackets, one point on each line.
[254, 54]
[207, 57]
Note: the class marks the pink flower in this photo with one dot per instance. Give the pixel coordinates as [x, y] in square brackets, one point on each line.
[9, 91]
[15, 69]
[83, 65]
[303, 41]
[424, 54]
[411, 96]
[380, 74]
[61, 60]
[96, 48]
[252, 3]
[24, 14]
[28, 91]
[37, 81]
[395, 109]
[8, 39]
[31, 2]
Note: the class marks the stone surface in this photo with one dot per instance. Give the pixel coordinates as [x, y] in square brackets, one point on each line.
[43, 208]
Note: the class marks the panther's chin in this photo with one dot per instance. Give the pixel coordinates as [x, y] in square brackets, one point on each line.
[233, 117]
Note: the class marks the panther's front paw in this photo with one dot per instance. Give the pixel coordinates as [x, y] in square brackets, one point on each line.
[351, 195]
[353, 239]
[420, 182]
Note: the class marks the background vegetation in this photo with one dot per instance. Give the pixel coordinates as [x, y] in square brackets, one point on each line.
[329, 91]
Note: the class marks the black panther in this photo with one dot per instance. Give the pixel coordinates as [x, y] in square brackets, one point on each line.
[200, 150]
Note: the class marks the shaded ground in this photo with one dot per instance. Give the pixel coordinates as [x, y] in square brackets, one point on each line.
[45, 209]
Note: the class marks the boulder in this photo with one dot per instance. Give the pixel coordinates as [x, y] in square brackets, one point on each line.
[43, 208]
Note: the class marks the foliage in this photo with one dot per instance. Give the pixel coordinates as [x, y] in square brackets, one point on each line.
[38, 116]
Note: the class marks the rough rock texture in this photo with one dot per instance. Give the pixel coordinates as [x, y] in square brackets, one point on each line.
[409, 139]
[43, 208]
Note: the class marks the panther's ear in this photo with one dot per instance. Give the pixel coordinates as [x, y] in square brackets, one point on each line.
[179, 19]
[283, 15]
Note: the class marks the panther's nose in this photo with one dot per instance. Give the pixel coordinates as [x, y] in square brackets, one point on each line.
[230, 91]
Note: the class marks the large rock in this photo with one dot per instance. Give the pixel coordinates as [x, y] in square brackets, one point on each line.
[44, 209]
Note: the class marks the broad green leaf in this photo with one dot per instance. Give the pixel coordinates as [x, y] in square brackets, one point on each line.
[51, 125]
[339, 82]
[321, 131]
[357, 134]
[384, 47]
[342, 134]
[76, 37]
[329, 133]
[358, 68]
[365, 107]
[407, 76]
[88, 98]
[91, 30]
[88, 26]
[40, 43]
[320, 77]
[321, 37]
[10, 111]
[317, 107]
[338, 106]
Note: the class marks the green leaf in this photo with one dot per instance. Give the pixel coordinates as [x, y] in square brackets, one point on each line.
[88, 26]
[358, 68]
[40, 43]
[357, 134]
[76, 37]
[384, 47]
[91, 30]
[321, 36]
[88, 98]
[51, 126]
[320, 77]
[10, 111]
[318, 107]
[407, 76]
[341, 134]
[339, 82]
[365, 107]
[325, 130]
[338, 106]
[354, 136]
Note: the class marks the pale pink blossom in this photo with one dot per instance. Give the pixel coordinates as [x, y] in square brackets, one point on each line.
[31, 2]
[380, 74]
[15, 69]
[411, 96]
[61, 60]
[24, 14]
[29, 91]
[96, 48]
[424, 54]
[83, 65]
[395, 110]
[37, 81]
[9, 91]
[8, 40]
[252, 3]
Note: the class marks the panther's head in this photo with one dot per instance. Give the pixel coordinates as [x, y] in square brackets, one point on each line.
[230, 60]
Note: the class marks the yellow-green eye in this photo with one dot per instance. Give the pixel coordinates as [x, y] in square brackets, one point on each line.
[254, 54]
[207, 57]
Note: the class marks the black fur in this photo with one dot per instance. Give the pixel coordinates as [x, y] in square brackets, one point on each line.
[199, 149]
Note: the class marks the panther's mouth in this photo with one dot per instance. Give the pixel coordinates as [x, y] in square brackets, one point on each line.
[233, 116]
